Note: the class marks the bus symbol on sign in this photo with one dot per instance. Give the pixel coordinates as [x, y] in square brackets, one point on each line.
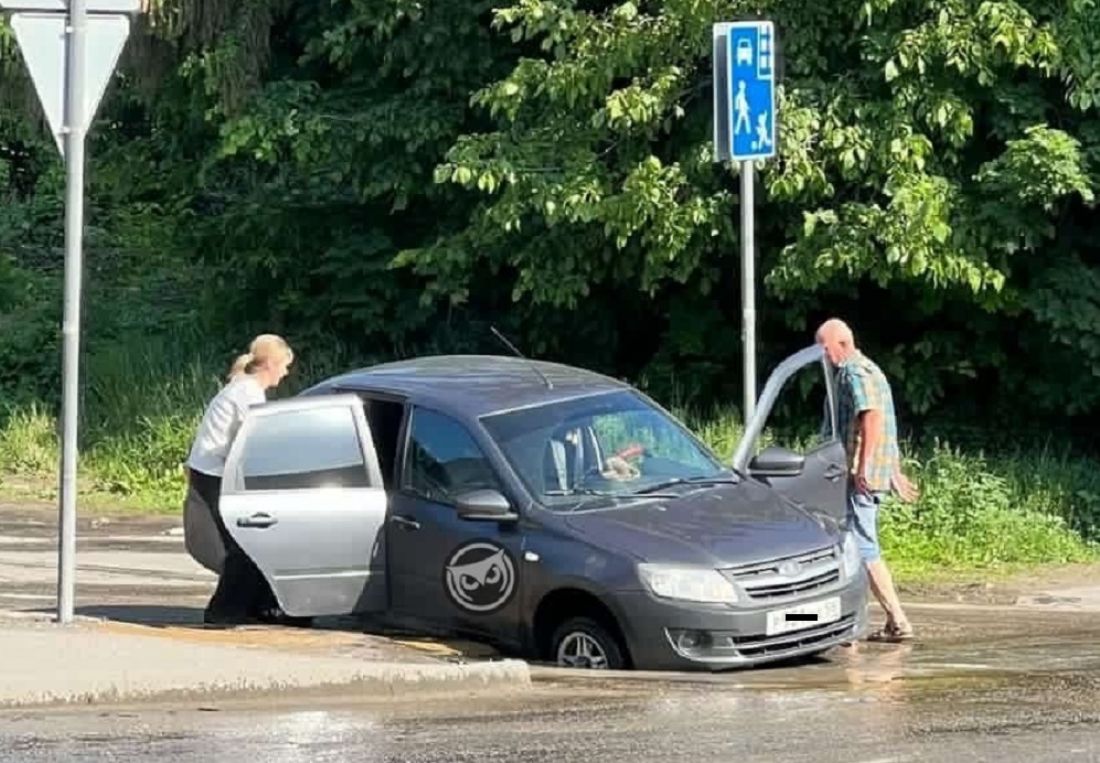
[744, 52]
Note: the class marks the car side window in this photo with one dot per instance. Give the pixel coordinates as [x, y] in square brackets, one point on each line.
[304, 449]
[443, 460]
[801, 419]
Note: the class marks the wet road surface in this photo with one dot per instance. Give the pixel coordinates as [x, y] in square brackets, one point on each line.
[982, 685]
[1050, 720]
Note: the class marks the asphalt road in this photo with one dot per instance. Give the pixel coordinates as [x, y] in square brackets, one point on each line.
[136, 568]
[982, 683]
[1017, 689]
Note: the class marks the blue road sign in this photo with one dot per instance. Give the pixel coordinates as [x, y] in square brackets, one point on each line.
[750, 90]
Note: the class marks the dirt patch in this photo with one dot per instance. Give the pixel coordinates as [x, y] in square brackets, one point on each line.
[32, 492]
[1000, 585]
[39, 519]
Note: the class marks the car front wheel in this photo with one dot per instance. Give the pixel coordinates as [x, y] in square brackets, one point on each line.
[584, 643]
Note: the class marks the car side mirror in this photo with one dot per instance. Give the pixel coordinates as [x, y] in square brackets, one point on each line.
[485, 506]
[774, 461]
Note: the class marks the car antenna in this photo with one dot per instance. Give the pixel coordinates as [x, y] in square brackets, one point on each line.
[518, 354]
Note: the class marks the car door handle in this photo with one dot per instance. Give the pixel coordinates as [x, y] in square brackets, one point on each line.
[834, 472]
[257, 520]
[407, 523]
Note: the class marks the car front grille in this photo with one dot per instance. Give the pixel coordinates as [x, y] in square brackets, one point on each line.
[754, 647]
[780, 590]
[731, 647]
[789, 576]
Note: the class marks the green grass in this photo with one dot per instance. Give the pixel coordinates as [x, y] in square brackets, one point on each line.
[141, 408]
[141, 404]
[137, 468]
[976, 510]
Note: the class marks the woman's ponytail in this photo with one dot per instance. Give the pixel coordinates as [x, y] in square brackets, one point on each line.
[240, 365]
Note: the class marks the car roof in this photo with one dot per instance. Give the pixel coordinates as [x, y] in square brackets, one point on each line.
[474, 385]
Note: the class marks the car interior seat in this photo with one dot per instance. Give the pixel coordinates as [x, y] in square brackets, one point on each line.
[562, 459]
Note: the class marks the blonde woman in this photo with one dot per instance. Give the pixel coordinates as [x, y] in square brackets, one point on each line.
[242, 594]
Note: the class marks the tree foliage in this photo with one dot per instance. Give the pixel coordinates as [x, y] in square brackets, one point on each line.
[936, 174]
[393, 175]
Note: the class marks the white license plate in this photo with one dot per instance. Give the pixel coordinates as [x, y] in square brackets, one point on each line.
[803, 616]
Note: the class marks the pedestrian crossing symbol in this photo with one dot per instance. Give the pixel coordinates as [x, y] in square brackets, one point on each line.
[750, 90]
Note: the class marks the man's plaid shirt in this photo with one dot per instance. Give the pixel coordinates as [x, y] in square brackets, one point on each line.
[861, 386]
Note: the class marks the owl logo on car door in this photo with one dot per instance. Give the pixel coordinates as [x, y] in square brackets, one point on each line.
[480, 577]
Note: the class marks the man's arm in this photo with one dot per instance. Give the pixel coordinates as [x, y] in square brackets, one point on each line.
[906, 489]
[870, 427]
[870, 419]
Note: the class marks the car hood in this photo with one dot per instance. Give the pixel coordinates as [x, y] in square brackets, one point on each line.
[720, 526]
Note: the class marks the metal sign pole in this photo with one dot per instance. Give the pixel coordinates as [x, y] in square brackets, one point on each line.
[74, 235]
[745, 115]
[748, 291]
[70, 57]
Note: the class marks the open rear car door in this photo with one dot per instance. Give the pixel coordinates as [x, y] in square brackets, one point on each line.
[302, 495]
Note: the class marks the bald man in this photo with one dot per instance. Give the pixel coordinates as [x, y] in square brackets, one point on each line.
[868, 429]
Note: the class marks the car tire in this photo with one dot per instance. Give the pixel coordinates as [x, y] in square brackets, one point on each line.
[581, 642]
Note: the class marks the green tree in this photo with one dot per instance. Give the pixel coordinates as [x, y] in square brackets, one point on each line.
[393, 175]
[318, 161]
[936, 171]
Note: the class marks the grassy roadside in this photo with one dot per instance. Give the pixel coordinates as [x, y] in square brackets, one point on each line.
[996, 513]
[141, 404]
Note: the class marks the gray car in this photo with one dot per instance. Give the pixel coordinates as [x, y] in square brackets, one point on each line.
[554, 512]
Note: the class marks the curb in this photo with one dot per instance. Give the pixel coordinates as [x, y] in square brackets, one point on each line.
[24, 616]
[381, 682]
[43, 663]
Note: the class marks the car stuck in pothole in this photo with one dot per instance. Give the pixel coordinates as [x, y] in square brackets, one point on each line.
[551, 511]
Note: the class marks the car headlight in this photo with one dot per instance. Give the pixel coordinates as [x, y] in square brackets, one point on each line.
[687, 583]
[850, 555]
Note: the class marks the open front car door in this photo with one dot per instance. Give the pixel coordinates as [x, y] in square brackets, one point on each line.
[814, 477]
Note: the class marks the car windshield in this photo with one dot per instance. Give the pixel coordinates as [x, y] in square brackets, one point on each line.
[604, 447]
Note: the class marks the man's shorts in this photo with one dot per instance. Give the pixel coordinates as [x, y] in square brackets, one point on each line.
[864, 509]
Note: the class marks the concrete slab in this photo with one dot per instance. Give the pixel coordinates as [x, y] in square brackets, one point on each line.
[1071, 599]
[44, 663]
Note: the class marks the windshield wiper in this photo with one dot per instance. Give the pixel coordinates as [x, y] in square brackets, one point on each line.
[731, 479]
[579, 491]
[650, 489]
[605, 494]
[592, 493]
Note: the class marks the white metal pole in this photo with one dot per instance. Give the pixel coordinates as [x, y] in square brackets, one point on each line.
[70, 372]
[748, 291]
